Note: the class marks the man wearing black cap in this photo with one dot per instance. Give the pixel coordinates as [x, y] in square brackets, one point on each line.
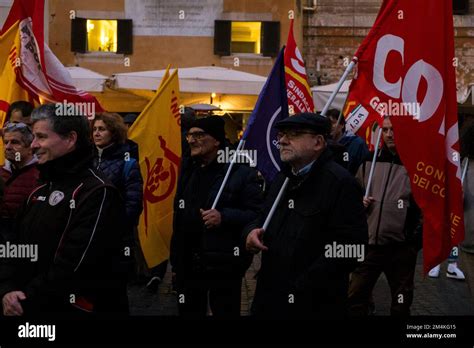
[318, 232]
[207, 254]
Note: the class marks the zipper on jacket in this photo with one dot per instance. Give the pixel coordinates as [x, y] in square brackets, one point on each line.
[381, 203]
[99, 162]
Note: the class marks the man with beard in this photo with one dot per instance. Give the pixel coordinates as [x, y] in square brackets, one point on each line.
[304, 274]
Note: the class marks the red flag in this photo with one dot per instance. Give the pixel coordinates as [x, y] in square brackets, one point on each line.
[406, 74]
[40, 73]
[297, 87]
[363, 121]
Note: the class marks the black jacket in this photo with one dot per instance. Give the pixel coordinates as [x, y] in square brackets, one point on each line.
[76, 219]
[196, 249]
[111, 163]
[296, 279]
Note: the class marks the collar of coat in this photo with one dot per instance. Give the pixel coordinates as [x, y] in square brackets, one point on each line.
[326, 156]
[114, 150]
[71, 164]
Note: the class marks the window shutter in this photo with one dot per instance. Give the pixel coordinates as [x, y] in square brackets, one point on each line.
[222, 37]
[270, 38]
[125, 36]
[460, 7]
[79, 35]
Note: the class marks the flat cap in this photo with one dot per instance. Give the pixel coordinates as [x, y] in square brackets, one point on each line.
[307, 120]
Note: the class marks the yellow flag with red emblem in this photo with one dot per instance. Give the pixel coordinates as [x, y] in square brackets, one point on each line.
[157, 131]
[10, 90]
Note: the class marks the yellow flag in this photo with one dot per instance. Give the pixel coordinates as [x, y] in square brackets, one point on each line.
[165, 77]
[10, 90]
[157, 132]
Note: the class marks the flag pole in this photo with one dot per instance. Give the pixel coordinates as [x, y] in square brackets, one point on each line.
[277, 200]
[339, 85]
[227, 174]
[341, 112]
[372, 167]
[323, 113]
[464, 170]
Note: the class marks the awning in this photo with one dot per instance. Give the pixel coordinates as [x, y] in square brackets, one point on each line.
[206, 79]
[87, 80]
[321, 95]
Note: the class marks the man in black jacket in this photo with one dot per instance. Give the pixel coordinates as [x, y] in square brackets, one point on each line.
[75, 220]
[206, 251]
[318, 232]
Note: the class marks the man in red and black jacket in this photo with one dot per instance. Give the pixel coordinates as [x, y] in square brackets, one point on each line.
[75, 220]
[19, 174]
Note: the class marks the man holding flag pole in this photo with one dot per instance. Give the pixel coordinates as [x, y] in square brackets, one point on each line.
[314, 227]
[206, 252]
[420, 96]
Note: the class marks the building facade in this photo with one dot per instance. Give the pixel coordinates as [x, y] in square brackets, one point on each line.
[334, 29]
[244, 35]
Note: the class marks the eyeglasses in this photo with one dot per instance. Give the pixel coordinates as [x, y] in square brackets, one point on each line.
[195, 135]
[11, 126]
[292, 134]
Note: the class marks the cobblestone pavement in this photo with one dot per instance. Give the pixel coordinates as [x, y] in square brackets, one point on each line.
[441, 296]
[432, 296]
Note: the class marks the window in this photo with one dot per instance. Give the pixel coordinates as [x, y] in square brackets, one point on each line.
[245, 37]
[233, 37]
[102, 35]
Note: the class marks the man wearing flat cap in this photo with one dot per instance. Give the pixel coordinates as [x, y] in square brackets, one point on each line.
[318, 233]
[208, 257]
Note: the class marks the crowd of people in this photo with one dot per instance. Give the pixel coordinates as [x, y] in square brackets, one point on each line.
[73, 187]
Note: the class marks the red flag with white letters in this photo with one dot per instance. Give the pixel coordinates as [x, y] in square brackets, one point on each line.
[300, 98]
[404, 73]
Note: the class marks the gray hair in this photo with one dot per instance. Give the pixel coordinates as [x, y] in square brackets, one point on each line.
[64, 125]
[23, 129]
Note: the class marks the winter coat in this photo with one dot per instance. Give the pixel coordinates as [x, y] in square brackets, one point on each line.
[112, 164]
[198, 252]
[298, 279]
[76, 220]
[393, 217]
[18, 185]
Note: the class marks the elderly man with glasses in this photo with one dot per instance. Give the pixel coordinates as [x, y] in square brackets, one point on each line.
[207, 255]
[19, 174]
[318, 232]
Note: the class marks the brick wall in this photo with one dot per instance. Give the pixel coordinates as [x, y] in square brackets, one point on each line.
[334, 31]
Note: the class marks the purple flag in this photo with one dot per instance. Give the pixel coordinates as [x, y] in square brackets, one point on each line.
[271, 107]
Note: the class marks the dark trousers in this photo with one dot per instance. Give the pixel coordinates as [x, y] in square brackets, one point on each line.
[398, 263]
[141, 272]
[224, 299]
